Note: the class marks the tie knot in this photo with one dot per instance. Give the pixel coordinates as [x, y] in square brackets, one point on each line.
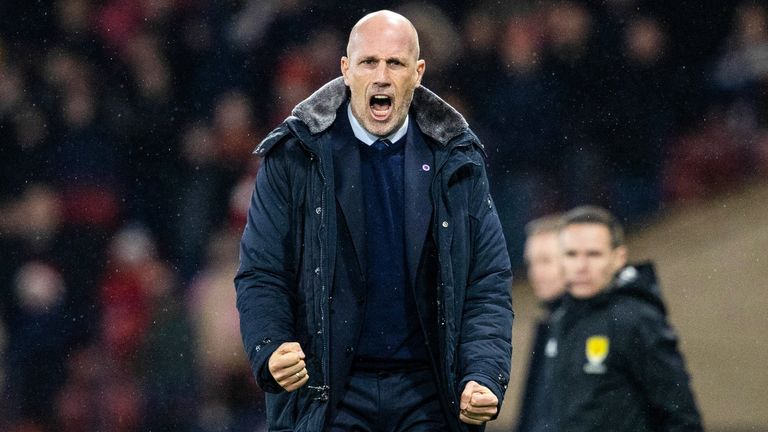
[381, 144]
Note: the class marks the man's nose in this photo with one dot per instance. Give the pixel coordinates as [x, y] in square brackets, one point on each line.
[382, 75]
[582, 263]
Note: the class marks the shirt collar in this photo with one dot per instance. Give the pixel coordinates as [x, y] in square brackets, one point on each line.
[369, 138]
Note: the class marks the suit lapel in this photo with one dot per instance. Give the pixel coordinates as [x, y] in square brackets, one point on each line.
[349, 191]
[419, 170]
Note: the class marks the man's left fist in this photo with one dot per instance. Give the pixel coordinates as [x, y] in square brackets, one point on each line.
[478, 404]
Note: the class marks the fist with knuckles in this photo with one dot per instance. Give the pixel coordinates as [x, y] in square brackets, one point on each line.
[287, 366]
[478, 404]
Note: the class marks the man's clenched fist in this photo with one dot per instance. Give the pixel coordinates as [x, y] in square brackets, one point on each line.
[478, 404]
[287, 366]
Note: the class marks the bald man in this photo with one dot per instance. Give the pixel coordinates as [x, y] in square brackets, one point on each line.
[373, 286]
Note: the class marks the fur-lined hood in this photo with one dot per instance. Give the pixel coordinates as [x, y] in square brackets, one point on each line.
[435, 117]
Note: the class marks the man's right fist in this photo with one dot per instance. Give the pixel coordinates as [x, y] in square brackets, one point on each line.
[287, 366]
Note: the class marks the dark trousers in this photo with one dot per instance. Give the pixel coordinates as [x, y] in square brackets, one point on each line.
[390, 402]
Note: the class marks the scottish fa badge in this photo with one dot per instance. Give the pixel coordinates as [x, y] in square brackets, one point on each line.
[597, 349]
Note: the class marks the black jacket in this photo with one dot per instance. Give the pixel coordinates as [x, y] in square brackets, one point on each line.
[617, 366]
[536, 384]
[301, 271]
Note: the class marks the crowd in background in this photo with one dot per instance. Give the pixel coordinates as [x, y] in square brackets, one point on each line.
[125, 170]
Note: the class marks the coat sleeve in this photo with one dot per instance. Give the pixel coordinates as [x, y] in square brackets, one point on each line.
[660, 371]
[486, 330]
[266, 278]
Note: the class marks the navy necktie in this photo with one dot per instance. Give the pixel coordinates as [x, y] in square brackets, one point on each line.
[380, 144]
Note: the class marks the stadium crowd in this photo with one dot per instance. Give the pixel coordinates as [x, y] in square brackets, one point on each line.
[125, 170]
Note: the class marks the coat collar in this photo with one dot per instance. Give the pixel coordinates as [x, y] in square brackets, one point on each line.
[638, 281]
[435, 117]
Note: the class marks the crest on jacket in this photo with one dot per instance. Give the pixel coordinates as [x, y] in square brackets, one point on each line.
[596, 349]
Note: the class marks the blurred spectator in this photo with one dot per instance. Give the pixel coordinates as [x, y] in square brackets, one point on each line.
[199, 209]
[98, 395]
[292, 83]
[571, 61]
[479, 30]
[33, 228]
[524, 114]
[166, 358]
[74, 24]
[438, 39]
[212, 162]
[23, 132]
[741, 78]
[211, 303]
[123, 295]
[39, 336]
[234, 129]
[641, 120]
[83, 149]
[150, 153]
[119, 21]
[708, 160]
[744, 62]
[240, 199]
[545, 275]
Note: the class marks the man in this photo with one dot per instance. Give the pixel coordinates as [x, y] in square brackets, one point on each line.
[542, 258]
[373, 286]
[545, 274]
[616, 363]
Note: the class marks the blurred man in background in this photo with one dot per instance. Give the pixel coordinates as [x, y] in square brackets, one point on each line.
[545, 274]
[616, 365]
[542, 258]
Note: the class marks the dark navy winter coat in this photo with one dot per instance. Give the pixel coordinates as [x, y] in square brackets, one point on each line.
[302, 250]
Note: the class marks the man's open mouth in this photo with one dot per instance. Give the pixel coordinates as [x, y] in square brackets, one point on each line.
[381, 106]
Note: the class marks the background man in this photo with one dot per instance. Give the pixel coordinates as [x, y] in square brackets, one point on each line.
[616, 365]
[545, 274]
[373, 286]
[542, 258]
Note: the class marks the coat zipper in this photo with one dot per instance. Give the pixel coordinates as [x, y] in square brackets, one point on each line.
[325, 388]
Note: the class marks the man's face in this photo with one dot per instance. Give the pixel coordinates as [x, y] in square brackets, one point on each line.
[589, 260]
[382, 71]
[542, 256]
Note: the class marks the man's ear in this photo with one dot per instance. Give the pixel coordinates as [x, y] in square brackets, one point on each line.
[420, 68]
[345, 68]
[621, 254]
